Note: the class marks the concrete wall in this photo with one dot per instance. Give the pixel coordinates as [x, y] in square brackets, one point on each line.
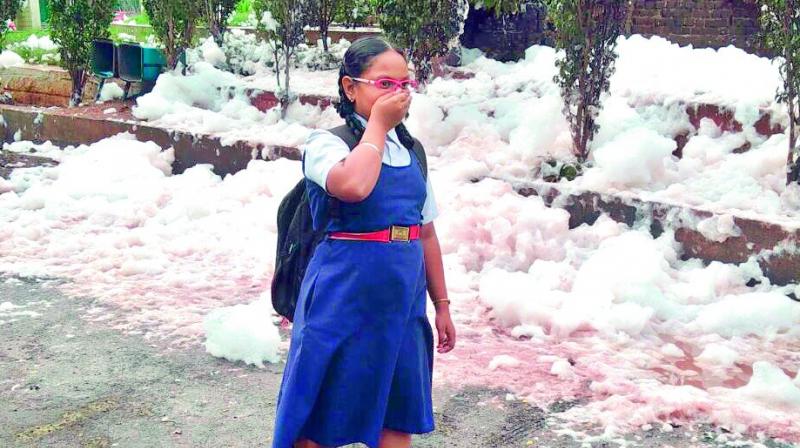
[29, 17]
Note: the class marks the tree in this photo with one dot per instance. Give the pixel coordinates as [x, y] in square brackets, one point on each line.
[323, 13]
[174, 23]
[8, 11]
[216, 13]
[587, 32]
[500, 6]
[780, 34]
[282, 23]
[425, 28]
[356, 13]
[74, 24]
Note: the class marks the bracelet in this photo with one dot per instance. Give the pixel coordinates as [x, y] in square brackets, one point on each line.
[441, 300]
[373, 147]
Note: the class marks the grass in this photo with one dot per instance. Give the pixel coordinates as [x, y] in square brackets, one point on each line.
[141, 19]
[13, 37]
[37, 55]
[139, 35]
[240, 15]
[242, 12]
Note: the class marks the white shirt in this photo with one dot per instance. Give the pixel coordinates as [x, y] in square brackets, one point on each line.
[322, 150]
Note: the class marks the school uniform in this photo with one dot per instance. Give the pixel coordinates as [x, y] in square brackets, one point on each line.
[361, 351]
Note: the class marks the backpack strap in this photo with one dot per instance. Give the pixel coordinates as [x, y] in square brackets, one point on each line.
[422, 158]
[345, 133]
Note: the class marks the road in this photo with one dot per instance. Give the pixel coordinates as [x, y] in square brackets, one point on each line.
[66, 382]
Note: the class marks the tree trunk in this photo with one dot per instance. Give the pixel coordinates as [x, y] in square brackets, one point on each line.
[213, 19]
[170, 46]
[323, 34]
[284, 99]
[276, 58]
[792, 161]
[78, 82]
[791, 95]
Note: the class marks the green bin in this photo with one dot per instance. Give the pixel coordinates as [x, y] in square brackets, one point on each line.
[104, 61]
[139, 64]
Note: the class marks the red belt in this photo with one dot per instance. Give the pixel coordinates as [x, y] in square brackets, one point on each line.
[393, 233]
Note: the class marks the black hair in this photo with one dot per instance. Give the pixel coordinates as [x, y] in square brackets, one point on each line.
[357, 60]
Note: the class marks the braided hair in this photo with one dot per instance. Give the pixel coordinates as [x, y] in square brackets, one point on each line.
[357, 60]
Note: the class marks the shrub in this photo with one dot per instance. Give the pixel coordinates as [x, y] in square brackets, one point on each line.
[74, 24]
[587, 32]
[356, 13]
[174, 23]
[282, 22]
[780, 33]
[322, 16]
[500, 6]
[426, 29]
[216, 13]
[8, 11]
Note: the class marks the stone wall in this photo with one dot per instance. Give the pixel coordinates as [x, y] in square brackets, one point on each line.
[506, 37]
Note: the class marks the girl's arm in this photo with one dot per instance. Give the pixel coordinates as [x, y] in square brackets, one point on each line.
[434, 269]
[434, 272]
[353, 179]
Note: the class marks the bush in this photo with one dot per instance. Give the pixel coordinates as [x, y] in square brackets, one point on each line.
[127, 5]
[74, 24]
[8, 12]
[426, 29]
[243, 14]
[780, 33]
[500, 6]
[322, 16]
[587, 32]
[174, 23]
[245, 54]
[356, 13]
[37, 50]
[281, 22]
[216, 13]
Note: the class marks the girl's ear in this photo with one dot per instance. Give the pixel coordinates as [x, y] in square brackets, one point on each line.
[349, 88]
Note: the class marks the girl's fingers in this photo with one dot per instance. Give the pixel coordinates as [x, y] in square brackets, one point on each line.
[451, 337]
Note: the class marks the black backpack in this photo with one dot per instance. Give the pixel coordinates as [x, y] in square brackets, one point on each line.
[297, 239]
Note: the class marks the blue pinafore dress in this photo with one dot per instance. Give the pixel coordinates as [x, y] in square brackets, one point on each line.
[361, 352]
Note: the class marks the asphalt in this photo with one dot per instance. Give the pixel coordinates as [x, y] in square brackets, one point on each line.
[66, 382]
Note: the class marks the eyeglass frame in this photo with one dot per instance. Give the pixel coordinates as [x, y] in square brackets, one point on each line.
[398, 84]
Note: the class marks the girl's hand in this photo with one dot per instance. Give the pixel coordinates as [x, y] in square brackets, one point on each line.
[446, 330]
[390, 109]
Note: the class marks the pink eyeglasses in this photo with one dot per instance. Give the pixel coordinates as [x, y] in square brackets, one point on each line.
[388, 83]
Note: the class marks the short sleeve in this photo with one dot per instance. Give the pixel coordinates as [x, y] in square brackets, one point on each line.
[321, 151]
[429, 210]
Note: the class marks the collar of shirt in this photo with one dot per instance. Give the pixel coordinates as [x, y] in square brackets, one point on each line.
[392, 134]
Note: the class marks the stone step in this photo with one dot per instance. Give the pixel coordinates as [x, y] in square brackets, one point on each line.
[86, 125]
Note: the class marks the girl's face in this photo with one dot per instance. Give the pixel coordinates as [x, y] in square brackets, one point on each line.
[389, 64]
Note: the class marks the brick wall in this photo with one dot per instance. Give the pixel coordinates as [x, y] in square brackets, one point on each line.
[702, 23]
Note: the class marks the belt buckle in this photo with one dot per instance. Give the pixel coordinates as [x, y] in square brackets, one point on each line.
[400, 233]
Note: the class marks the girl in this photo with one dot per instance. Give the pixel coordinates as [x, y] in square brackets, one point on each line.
[361, 353]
